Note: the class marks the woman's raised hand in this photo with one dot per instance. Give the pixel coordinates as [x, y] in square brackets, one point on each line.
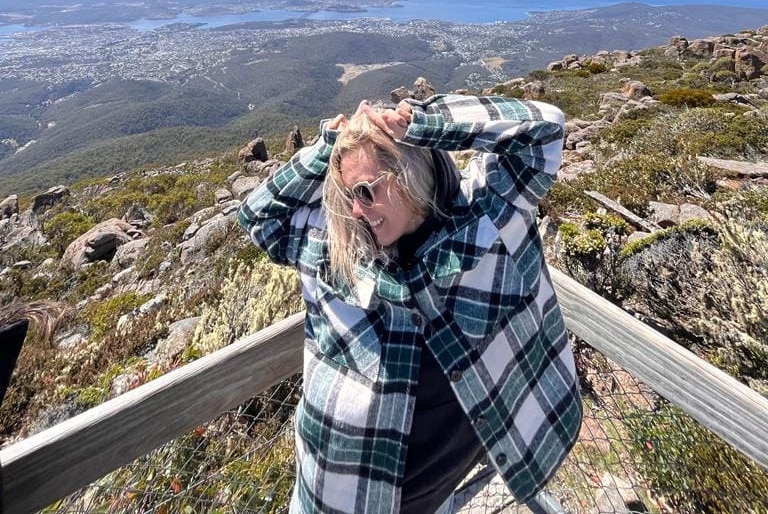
[337, 123]
[392, 121]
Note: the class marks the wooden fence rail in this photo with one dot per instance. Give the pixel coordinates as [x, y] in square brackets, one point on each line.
[61, 460]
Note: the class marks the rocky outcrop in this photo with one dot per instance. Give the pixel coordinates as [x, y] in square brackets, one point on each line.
[9, 207]
[668, 215]
[21, 230]
[422, 90]
[138, 216]
[45, 201]
[244, 185]
[293, 142]
[200, 243]
[263, 169]
[100, 243]
[256, 150]
[749, 63]
[127, 254]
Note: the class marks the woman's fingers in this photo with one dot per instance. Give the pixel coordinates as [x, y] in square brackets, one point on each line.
[338, 122]
[389, 120]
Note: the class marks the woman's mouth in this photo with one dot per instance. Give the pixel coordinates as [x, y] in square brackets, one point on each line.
[375, 223]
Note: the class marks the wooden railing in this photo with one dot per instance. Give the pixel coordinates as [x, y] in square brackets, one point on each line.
[61, 460]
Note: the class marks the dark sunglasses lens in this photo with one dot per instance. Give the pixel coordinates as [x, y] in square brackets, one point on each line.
[364, 194]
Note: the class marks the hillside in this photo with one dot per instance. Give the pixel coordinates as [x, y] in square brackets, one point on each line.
[71, 111]
[155, 273]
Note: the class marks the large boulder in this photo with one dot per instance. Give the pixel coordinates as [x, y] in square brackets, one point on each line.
[9, 207]
[45, 201]
[100, 243]
[635, 90]
[21, 230]
[256, 150]
[422, 89]
[293, 141]
[702, 47]
[127, 254]
[749, 63]
[197, 248]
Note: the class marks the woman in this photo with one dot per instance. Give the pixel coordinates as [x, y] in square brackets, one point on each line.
[433, 335]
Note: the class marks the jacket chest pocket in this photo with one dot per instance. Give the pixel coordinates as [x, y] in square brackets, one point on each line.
[477, 280]
[345, 333]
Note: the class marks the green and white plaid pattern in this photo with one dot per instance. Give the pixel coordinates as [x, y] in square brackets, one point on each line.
[479, 297]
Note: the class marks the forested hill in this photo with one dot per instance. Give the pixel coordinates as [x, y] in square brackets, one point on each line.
[87, 101]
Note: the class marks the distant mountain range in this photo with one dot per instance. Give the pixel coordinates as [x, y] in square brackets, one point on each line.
[90, 101]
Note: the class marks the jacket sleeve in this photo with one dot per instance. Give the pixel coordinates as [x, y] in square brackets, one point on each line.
[278, 213]
[521, 141]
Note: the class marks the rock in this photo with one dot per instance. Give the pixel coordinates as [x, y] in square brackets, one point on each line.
[422, 89]
[180, 334]
[701, 47]
[618, 496]
[103, 291]
[70, 340]
[555, 66]
[138, 216]
[198, 246]
[245, 185]
[399, 94]
[45, 201]
[635, 90]
[263, 169]
[573, 171]
[735, 98]
[677, 46]
[99, 243]
[637, 235]
[153, 304]
[233, 177]
[690, 211]
[222, 195]
[749, 63]
[9, 207]
[665, 215]
[21, 230]
[533, 90]
[256, 150]
[293, 141]
[126, 274]
[128, 253]
[230, 207]
[22, 265]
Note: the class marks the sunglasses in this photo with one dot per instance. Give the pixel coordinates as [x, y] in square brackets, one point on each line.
[363, 191]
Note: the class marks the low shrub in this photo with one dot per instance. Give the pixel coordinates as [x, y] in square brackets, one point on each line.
[694, 470]
[686, 97]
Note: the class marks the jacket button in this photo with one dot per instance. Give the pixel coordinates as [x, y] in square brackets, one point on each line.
[501, 459]
[455, 375]
[416, 319]
[480, 423]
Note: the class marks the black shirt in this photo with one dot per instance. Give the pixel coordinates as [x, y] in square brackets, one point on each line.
[442, 446]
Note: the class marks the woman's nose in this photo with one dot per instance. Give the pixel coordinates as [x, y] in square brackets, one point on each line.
[357, 208]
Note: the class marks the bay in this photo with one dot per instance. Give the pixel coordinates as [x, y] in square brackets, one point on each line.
[454, 11]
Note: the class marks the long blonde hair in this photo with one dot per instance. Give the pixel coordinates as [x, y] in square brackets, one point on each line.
[350, 242]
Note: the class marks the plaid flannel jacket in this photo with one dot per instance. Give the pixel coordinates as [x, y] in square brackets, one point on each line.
[480, 298]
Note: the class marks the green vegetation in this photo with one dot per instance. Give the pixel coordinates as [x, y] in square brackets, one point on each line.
[687, 97]
[691, 467]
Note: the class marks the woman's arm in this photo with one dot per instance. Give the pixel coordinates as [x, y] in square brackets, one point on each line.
[524, 139]
[276, 214]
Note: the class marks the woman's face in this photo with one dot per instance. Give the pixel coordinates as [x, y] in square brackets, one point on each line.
[388, 216]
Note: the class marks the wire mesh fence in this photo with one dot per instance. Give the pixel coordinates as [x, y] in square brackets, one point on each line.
[636, 453]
